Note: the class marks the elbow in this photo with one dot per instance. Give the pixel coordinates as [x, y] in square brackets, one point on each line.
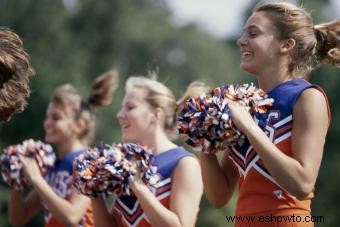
[16, 221]
[218, 203]
[303, 191]
[72, 220]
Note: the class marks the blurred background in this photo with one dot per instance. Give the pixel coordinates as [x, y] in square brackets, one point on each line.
[76, 40]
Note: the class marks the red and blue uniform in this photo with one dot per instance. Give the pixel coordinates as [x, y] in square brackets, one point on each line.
[259, 193]
[129, 208]
[60, 179]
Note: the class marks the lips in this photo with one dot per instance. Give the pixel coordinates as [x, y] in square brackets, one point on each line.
[246, 53]
[124, 125]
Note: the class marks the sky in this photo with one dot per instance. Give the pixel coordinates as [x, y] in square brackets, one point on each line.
[221, 18]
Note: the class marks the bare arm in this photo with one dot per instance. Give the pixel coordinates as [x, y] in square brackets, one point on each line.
[102, 217]
[187, 189]
[296, 174]
[219, 179]
[20, 209]
[67, 212]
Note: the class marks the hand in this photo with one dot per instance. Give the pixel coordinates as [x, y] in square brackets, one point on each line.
[241, 117]
[31, 169]
[137, 178]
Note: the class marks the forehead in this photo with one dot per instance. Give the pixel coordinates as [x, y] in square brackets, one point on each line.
[134, 95]
[260, 20]
[54, 108]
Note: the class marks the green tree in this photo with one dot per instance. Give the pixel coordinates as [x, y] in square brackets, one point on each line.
[74, 41]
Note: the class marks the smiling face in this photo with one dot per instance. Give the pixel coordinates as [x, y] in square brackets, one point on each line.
[258, 44]
[59, 125]
[136, 117]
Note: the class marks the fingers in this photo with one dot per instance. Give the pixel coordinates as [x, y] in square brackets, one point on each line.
[25, 160]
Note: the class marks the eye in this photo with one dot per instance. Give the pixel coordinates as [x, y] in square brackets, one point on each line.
[130, 107]
[55, 117]
[252, 32]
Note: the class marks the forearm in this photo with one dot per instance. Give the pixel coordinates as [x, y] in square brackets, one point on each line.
[60, 208]
[20, 209]
[101, 215]
[215, 183]
[16, 208]
[157, 214]
[289, 173]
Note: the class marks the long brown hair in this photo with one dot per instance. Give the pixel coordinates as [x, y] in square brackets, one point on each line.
[315, 45]
[15, 73]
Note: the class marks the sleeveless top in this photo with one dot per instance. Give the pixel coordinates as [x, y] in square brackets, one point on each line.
[60, 179]
[258, 191]
[129, 208]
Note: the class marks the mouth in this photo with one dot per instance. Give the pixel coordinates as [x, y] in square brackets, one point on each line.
[124, 125]
[246, 54]
[48, 133]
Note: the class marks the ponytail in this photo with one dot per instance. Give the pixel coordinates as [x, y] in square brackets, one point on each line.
[102, 89]
[195, 88]
[66, 96]
[327, 49]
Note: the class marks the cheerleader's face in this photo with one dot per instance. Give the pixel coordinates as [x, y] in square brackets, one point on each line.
[135, 117]
[59, 125]
[259, 45]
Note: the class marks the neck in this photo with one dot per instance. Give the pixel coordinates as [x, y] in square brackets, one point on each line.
[67, 147]
[272, 77]
[159, 142]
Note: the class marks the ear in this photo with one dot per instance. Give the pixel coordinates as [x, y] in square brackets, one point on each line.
[157, 114]
[288, 45]
[79, 125]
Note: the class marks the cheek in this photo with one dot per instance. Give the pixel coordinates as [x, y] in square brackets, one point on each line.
[142, 121]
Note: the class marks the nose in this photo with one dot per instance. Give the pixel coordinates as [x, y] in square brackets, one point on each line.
[242, 41]
[120, 114]
[46, 123]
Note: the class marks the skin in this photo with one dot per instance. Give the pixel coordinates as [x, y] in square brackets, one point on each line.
[267, 57]
[61, 130]
[137, 118]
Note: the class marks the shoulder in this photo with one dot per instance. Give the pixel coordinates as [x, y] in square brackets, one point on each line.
[312, 105]
[189, 160]
[188, 166]
[187, 177]
[312, 97]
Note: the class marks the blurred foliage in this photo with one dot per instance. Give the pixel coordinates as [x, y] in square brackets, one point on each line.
[73, 41]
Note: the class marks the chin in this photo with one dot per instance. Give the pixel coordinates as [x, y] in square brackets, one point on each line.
[126, 139]
[47, 139]
[247, 68]
[50, 140]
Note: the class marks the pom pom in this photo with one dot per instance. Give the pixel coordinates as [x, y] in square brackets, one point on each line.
[106, 169]
[11, 166]
[205, 120]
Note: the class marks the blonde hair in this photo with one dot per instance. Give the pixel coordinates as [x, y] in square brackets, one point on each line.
[315, 45]
[66, 96]
[15, 73]
[160, 96]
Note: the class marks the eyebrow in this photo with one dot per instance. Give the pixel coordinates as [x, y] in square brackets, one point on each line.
[250, 27]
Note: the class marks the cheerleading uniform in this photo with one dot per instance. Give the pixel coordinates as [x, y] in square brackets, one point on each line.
[259, 193]
[130, 209]
[60, 179]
